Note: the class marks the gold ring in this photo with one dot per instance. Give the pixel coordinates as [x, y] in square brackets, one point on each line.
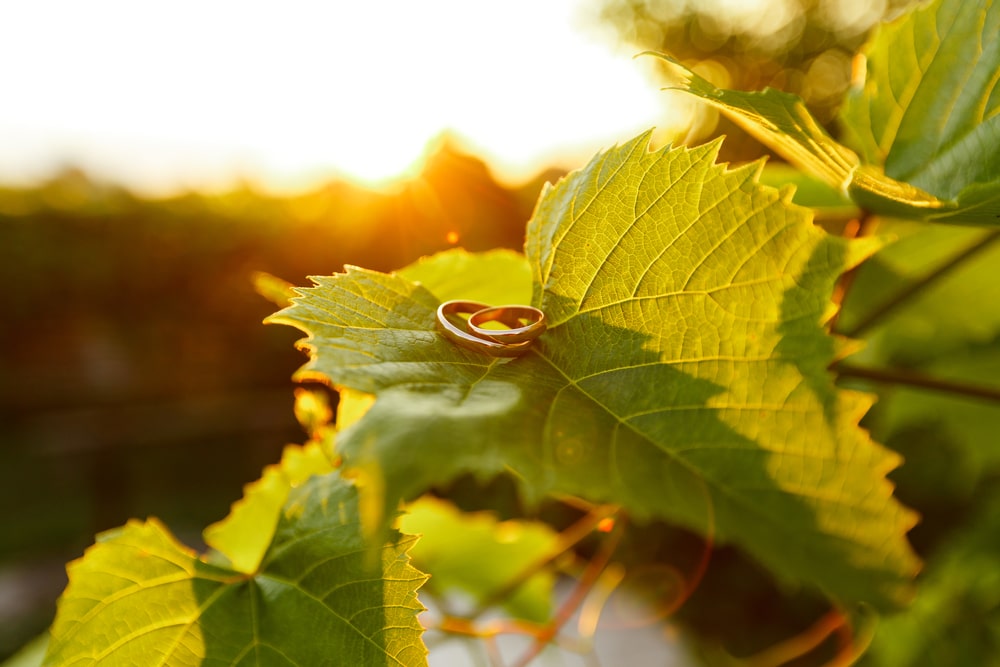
[455, 329]
[525, 323]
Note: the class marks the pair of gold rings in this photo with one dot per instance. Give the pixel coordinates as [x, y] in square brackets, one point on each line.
[524, 324]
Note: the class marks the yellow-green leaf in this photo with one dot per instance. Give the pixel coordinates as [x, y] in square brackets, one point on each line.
[951, 191]
[243, 536]
[139, 597]
[927, 109]
[683, 375]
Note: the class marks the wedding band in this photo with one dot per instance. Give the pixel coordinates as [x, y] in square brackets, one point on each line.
[447, 316]
[512, 316]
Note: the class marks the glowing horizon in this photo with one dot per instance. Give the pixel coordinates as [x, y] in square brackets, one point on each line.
[162, 98]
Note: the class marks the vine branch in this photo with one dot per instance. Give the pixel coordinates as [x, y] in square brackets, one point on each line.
[919, 380]
[566, 540]
[854, 228]
[800, 645]
[914, 288]
[590, 576]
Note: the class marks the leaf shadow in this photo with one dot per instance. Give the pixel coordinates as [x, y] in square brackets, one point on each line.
[318, 594]
[596, 410]
[804, 341]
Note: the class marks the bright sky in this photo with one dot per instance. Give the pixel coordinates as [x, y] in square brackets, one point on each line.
[162, 95]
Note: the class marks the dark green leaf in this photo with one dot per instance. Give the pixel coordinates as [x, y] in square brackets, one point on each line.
[928, 109]
[959, 305]
[949, 191]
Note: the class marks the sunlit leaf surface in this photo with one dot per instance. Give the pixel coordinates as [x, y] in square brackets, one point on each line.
[139, 597]
[946, 187]
[781, 121]
[243, 537]
[930, 90]
[928, 108]
[496, 277]
[683, 375]
[778, 120]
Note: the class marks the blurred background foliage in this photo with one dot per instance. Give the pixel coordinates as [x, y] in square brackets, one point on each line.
[805, 47]
[136, 377]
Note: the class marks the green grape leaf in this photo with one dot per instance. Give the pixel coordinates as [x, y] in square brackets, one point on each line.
[928, 109]
[475, 553]
[781, 121]
[947, 331]
[683, 374]
[139, 597]
[243, 537]
[776, 119]
[455, 274]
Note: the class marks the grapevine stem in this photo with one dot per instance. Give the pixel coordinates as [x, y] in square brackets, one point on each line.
[913, 379]
[914, 288]
[580, 591]
[853, 229]
[493, 652]
[590, 610]
[800, 645]
[456, 625]
[565, 541]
